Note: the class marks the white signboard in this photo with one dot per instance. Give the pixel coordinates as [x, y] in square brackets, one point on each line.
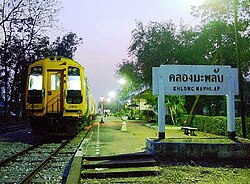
[195, 79]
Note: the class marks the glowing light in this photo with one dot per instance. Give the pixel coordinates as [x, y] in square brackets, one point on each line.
[112, 94]
[122, 81]
[102, 98]
[197, 2]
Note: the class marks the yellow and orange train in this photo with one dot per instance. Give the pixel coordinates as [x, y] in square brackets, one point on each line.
[58, 97]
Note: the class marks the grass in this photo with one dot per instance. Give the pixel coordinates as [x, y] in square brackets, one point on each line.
[187, 174]
[113, 141]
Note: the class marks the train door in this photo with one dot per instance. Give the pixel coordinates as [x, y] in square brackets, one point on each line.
[55, 91]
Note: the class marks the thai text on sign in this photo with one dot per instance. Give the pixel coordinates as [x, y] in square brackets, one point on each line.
[195, 79]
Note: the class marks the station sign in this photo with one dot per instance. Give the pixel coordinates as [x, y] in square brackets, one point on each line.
[195, 80]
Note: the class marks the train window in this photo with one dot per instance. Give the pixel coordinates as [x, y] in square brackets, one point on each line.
[74, 83]
[35, 82]
[38, 70]
[36, 78]
[74, 80]
[55, 81]
[35, 85]
[73, 71]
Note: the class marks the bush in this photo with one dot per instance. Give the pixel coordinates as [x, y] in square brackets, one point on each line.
[148, 116]
[214, 124]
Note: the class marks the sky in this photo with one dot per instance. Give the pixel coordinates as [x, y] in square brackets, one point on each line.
[106, 27]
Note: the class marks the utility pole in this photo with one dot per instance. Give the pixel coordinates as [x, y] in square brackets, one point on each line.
[241, 82]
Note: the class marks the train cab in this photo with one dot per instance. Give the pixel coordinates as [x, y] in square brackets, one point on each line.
[56, 94]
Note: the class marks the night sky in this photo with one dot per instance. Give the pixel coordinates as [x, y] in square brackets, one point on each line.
[106, 26]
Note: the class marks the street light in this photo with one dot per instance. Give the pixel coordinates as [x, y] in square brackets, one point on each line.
[112, 94]
[122, 81]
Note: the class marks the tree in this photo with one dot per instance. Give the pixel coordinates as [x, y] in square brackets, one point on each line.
[213, 43]
[128, 70]
[151, 46]
[227, 11]
[175, 105]
[67, 45]
[21, 23]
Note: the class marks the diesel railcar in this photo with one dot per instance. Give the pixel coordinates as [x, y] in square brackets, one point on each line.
[59, 100]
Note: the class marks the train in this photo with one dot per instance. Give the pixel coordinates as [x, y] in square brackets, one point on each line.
[59, 100]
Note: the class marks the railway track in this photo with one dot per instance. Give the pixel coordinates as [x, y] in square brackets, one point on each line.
[13, 128]
[22, 167]
[41, 163]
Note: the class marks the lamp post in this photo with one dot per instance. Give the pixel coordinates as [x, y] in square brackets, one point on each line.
[112, 95]
[121, 81]
[102, 109]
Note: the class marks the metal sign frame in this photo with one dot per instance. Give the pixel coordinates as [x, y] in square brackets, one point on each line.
[195, 80]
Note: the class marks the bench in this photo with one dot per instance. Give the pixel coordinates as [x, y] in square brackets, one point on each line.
[189, 130]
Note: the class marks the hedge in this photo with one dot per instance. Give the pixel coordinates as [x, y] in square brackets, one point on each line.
[214, 124]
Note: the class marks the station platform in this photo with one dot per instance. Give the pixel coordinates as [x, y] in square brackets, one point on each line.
[141, 137]
[109, 152]
[113, 140]
[108, 145]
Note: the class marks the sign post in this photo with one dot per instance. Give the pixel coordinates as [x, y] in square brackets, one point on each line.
[161, 109]
[195, 80]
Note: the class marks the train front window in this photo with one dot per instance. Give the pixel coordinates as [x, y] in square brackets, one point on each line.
[35, 82]
[35, 78]
[35, 85]
[74, 80]
[74, 86]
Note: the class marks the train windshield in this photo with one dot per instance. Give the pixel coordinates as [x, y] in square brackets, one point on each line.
[35, 78]
[74, 80]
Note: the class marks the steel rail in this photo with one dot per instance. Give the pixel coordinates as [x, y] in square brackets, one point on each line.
[14, 128]
[11, 158]
[29, 176]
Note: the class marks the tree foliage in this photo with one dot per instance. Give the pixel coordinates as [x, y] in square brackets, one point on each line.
[218, 16]
[175, 105]
[152, 45]
[23, 25]
[212, 43]
[22, 22]
[67, 45]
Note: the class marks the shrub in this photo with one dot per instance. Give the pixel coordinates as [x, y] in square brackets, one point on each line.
[148, 116]
[214, 124]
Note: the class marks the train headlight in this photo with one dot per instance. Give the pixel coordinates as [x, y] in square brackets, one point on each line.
[69, 100]
[74, 100]
[77, 100]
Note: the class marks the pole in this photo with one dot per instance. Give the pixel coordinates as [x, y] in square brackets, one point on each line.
[98, 140]
[102, 110]
[241, 83]
[139, 104]
[231, 116]
[161, 110]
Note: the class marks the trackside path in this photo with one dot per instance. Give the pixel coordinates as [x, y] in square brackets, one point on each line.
[114, 141]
